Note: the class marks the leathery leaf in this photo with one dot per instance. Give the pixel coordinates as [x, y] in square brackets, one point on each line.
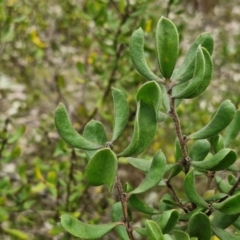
[229, 206]
[200, 150]
[196, 81]
[140, 164]
[95, 132]
[178, 234]
[102, 169]
[136, 48]
[221, 119]
[232, 129]
[86, 231]
[153, 231]
[68, 133]
[117, 215]
[149, 99]
[222, 234]
[167, 44]
[154, 175]
[199, 226]
[185, 72]
[121, 113]
[189, 187]
[220, 161]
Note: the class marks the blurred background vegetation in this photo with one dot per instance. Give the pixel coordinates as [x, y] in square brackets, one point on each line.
[74, 51]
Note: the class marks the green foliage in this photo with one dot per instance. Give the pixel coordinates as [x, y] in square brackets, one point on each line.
[207, 156]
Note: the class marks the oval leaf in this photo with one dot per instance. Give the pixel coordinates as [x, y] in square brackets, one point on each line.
[141, 206]
[167, 42]
[116, 216]
[199, 226]
[136, 48]
[86, 231]
[217, 143]
[200, 150]
[178, 234]
[229, 206]
[94, 131]
[220, 161]
[232, 129]
[153, 231]
[140, 164]
[102, 169]
[223, 186]
[185, 72]
[121, 112]
[68, 133]
[220, 120]
[189, 187]
[197, 79]
[145, 127]
[154, 175]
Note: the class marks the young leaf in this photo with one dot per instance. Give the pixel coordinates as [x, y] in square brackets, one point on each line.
[167, 44]
[229, 206]
[117, 216]
[68, 133]
[141, 206]
[199, 150]
[232, 129]
[140, 164]
[154, 174]
[217, 143]
[221, 234]
[94, 131]
[222, 220]
[149, 100]
[102, 168]
[136, 48]
[185, 72]
[189, 187]
[199, 226]
[178, 234]
[220, 161]
[220, 120]
[86, 231]
[168, 220]
[153, 231]
[206, 77]
[197, 79]
[121, 113]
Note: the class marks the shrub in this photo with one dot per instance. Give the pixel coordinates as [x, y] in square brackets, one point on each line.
[194, 215]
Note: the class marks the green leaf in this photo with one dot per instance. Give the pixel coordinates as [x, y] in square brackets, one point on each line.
[220, 161]
[187, 216]
[16, 234]
[102, 169]
[222, 220]
[18, 133]
[178, 234]
[217, 143]
[232, 129]
[68, 133]
[136, 48]
[229, 206]
[206, 77]
[117, 216]
[185, 72]
[223, 186]
[167, 44]
[168, 220]
[141, 231]
[199, 226]
[141, 206]
[86, 231]
[153, 231]
[189, 187]
[200, 150]
[94, 131]
[121, 113]
[154, 175]
[145, 127]
[140, 164]
[224, 234]
[220, 120]
[197, 80]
